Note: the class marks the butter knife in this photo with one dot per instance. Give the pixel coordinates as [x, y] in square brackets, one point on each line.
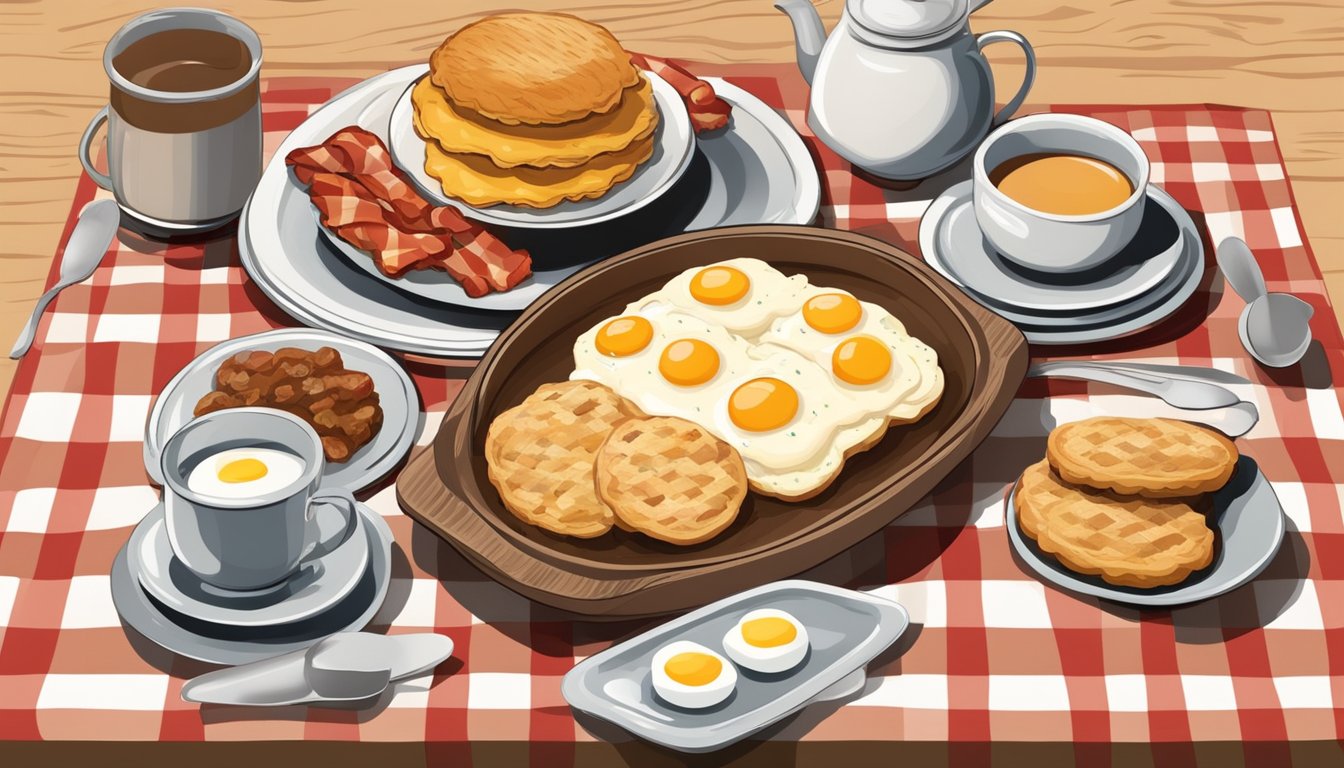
[347, 666]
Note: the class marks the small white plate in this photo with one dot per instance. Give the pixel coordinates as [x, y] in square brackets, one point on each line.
[397, 396]
[316, 588]
[1248, 529]
[674, 145]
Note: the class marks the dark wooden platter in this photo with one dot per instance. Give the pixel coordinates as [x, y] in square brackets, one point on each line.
[984, 359]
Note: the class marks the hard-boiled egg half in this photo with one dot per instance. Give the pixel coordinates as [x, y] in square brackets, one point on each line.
[689, 675]
[767, 640]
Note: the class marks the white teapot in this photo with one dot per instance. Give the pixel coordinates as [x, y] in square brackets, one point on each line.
[901, 88]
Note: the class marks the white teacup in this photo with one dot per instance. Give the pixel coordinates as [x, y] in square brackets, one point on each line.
[1052, 242]
[235, 529]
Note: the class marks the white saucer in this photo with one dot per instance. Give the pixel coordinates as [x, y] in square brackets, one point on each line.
[397, 396]
[226, 644]
[316, 588]
[1248, 529]
[674, 145]
[1093, 306]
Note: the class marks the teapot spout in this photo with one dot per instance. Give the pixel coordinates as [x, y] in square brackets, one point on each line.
[809, 34]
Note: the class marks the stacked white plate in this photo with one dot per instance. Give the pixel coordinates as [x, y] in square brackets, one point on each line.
[1146, 283]
[755, 171]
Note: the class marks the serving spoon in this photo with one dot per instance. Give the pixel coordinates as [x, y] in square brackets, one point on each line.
[1274, 327]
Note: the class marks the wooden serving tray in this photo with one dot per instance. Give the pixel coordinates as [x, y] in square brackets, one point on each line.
[984, 359]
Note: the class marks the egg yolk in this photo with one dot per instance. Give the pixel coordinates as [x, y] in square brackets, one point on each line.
[768, 632]
[719, 285]
[687, 362]
[693, 668]
[832, 312]
[624, 336]
[861, 360]
[242, 471]
[763, 404]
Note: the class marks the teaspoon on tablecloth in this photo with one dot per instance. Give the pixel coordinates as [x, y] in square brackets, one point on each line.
[84, 251]
[1274, 327]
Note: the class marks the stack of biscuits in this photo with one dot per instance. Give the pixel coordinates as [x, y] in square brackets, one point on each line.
[576, 459]
[1126, 499]
[532, 109]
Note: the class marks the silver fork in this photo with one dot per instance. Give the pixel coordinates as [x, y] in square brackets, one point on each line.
[1181, 393]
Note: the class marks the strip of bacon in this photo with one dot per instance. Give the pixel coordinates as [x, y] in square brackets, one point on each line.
[708, 111]
[368, 202]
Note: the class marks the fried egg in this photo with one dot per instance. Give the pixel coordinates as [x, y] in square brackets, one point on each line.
[767, 640]
[241, 473]
[691, 676]
[774, 406]
[668, 363]
[873, 361]
[741, 295]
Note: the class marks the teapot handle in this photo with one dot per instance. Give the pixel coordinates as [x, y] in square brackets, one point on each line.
[1004, 36]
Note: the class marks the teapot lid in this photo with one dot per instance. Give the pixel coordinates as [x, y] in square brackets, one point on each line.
[909, 19]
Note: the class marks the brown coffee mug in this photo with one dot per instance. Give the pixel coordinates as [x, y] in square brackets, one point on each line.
[183, 121]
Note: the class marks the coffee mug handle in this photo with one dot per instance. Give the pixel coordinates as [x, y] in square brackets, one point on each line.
[86, 147]
[341, 499]
[1028, 77]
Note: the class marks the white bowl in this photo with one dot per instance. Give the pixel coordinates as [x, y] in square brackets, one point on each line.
[1051, 242]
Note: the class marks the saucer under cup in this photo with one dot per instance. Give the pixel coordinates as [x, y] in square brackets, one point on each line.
[317, 587]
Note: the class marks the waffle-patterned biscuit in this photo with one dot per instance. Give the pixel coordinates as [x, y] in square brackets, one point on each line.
[540, 453]
[670, 479]
[1157, 458]
[1130, 541]
[533, 68]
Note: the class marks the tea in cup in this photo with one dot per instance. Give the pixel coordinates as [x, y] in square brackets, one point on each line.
[1059, 193]
[241, 491]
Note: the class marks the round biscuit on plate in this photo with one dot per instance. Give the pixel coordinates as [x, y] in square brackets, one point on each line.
[1157, 458]
[1129, 541]
[539, 456]
[533, 68]
[670, 479]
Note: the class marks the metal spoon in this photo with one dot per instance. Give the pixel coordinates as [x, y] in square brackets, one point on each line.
[1274, 327]
[84, 251]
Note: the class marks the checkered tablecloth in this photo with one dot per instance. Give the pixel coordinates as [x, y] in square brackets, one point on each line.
[995, 662]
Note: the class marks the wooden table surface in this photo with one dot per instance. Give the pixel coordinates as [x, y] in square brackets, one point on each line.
[1287, 57]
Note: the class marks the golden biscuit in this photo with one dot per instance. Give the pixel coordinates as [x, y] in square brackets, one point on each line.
[458, 130]
[477, 181]
[539, 456]
[533, 68]
[1129, 541]
[670, 479]
[1157, 458]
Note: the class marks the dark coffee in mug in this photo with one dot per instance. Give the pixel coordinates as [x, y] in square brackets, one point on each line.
[184, 60]
[183, 119]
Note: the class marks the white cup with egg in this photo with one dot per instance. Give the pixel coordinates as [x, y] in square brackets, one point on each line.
[241, 497]
[1059, 193]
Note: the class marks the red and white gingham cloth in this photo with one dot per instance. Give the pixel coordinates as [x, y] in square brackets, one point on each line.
[995, 656]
